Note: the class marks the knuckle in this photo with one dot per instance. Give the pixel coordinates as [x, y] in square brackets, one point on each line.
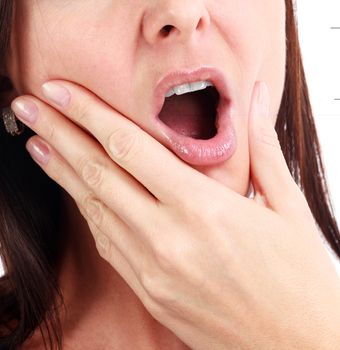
[160, 300]
[57, 169]
[147, 280]
[165, 260]
[47, 127]
[173, 259]
[103, 245]
[153, 307]
[91, 171]
[124, 144]
[49, 132]
[82, 111]
[82, 210]
[202, 214]
[93, 209]
[155, 288]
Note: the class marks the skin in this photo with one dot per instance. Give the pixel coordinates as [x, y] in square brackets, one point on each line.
[246, 45]
[88, 50]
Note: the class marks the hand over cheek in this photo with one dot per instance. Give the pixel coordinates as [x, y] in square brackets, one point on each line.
[220, 270]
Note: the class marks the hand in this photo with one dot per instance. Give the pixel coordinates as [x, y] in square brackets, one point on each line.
[220, 270]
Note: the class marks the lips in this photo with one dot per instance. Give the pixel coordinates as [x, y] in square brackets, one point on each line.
[193, 151]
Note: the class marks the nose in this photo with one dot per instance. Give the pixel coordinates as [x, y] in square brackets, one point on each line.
[180, 19]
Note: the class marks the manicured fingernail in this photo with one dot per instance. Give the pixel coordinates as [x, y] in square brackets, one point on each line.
[263, 99]
[25, 110]
[38, 151]
[56, 93]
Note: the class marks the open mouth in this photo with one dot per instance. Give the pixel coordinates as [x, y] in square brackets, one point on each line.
[192, 114]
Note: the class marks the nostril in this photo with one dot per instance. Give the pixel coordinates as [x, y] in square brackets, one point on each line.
[166, 30]
[200, 24]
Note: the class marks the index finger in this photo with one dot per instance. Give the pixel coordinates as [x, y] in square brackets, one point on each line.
[167, 177]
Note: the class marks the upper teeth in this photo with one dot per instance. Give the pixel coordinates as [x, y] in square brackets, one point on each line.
[190, 87]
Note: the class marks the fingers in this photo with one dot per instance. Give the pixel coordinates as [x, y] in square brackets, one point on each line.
[111, 184]
[112, 236]
[152, 164]
[130, 256]
[273, 183]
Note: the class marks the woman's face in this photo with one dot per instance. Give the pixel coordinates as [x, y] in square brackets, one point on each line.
[118, 50]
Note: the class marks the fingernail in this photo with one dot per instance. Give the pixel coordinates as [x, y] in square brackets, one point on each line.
[56, 93]
[38, 151]
[25, 110]
[263, 99]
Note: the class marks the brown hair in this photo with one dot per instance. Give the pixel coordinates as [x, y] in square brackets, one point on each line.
[29, 205]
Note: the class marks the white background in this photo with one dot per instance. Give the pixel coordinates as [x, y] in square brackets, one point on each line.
[320, 46]
[321, 55]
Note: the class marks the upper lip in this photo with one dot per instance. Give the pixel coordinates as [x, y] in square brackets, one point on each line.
[184, 76]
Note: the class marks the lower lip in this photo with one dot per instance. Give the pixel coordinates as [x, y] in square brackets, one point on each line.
[205, 152]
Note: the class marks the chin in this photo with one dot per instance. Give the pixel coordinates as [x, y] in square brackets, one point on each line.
[235, 179]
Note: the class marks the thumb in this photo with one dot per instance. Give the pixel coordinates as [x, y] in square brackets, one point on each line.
[273, 184]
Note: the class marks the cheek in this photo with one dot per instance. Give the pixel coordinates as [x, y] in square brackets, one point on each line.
[260, 52]
[255, 33]
[91, 54]
[101, 61]
[273, 65]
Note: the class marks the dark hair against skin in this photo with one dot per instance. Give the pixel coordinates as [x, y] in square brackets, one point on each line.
[30, 203]
[298, 137]
[29, 217]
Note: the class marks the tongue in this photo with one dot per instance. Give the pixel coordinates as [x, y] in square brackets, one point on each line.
[191, 114]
